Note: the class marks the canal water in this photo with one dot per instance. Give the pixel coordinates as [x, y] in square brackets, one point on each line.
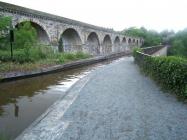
[22, 101]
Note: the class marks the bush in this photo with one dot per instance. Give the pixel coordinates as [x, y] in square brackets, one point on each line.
[169, 72]
[81, 55]
[27, 54]
[64, 57]
[3, 137]
[135, 50]
[69, 56]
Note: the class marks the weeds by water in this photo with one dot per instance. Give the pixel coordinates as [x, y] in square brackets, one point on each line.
[37, 58]
[3, 137]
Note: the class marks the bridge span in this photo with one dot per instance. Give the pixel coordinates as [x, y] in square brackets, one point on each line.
[69, 35]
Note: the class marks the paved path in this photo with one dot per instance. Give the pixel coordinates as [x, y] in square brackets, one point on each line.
[115, 102]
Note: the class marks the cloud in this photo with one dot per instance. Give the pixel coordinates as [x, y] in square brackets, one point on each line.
[117, 14]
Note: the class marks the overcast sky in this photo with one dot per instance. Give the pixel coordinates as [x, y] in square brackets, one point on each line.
[117, 14]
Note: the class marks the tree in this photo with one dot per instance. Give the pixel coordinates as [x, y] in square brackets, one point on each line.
[178, 44]
[133, 31]
[5, 25]
[167, 35]
[25, 35]
[151, 37]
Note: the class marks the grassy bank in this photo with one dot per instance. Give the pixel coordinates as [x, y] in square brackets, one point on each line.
[29, 53]
[2, 137]
[35, 58]
[169, 72]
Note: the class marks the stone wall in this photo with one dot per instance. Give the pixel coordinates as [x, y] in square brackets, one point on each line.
[70, 35]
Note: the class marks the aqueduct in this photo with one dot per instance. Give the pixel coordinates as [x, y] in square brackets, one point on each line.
[69, 35]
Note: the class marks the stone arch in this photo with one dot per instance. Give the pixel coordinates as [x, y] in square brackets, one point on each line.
[124, 43]
[129, 41]
[133, 41]
[137, 42]
[141, 41]
[117, 44]
[43, 36]
[124, 40]
[107, 44]
[70, 41]
[92, 44]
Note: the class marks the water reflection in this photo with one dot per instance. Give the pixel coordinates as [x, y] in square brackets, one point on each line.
[16, 110]
[21, 102]
[11, 91]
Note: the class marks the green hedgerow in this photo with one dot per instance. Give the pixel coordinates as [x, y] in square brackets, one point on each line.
[169, 72]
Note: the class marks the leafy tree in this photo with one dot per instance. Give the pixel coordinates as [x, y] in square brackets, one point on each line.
[25, 35]
[133, 31]
[5, 23]
[167, 35]
[151, 37]
[178, 44]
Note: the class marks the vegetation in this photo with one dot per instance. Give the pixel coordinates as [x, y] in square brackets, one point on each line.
[2, 137]
[151, 38]
[5, 23]
[37, 60]
[29, 54]
[135, 50]
[177, 41]
[169, 72]
[178, 44]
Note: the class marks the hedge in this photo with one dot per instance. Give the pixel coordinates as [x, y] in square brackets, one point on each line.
[170, 72]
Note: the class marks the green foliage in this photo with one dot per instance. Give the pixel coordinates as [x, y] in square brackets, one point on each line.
[26, 48]
[25, 36]
[2, 137]
[28, 54]
[65, 57]
[81, 55]
[135, 50]
[177, 41]
[39, 55]
[151, 38]
[169, 72]
[135, 32]
[179, 44]
[167, 35]
[5, 23]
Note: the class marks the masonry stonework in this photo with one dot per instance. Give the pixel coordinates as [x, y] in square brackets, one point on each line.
[71, 35]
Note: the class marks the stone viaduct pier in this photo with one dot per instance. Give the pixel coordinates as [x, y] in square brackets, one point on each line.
[69, 35]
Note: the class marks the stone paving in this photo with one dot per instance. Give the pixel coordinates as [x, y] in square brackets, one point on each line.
[115, 102]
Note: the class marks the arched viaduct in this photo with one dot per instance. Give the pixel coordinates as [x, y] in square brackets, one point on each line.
[69, 35]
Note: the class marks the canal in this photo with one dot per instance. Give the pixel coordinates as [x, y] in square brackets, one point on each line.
[22, 101]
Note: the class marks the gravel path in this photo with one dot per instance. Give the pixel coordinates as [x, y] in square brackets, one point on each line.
[119, 103]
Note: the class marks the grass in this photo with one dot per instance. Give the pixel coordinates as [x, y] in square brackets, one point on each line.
[35, 58]
[2, 137]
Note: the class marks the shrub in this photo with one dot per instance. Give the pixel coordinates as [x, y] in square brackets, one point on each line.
[169, 72]
[3, 137]
[28, 54]
[64, 57]
[69, 56]
[135, 50]
[81, 55]
[61, 59]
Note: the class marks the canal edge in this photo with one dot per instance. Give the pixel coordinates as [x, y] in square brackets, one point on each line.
[72, 94]
[59, 68]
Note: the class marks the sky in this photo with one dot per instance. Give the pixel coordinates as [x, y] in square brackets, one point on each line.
[117, 14]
